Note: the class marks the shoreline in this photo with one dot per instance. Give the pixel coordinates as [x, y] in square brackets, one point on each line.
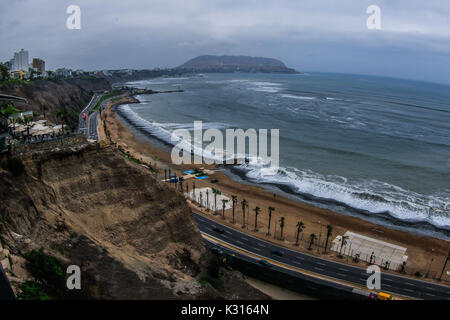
[315, 218]
[382, 218]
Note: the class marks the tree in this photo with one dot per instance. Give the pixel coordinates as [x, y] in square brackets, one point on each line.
[329, 232]
[300, 226]
[207, 199]
[257, 209]
[62, 115]
[234, 201]
[312, 237]
[403, 267]
[270, 219]
[244, 203]
[224, 201]
[4, 72]
[343, 243]
[216, 192]
[281, 227]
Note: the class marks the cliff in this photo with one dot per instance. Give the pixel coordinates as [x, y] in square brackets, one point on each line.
[132, 236]
[71, 95]
[210, 63]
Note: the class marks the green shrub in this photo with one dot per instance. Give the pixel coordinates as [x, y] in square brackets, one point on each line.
[205, 279]
[31, 290]
[47, 272]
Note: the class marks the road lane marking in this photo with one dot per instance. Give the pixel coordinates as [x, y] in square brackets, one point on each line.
[318, 268]
[286, 265]
[284, 248]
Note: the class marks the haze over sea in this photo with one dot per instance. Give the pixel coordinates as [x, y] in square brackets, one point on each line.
[372, 147]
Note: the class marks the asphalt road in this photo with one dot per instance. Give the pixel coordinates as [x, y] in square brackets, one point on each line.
[354, 275]
[83, 124]
[93, 123]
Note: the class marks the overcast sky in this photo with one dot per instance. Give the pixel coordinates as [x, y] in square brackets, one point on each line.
[316, 35]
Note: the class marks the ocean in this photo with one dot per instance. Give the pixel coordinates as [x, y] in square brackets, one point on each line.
[377, 148]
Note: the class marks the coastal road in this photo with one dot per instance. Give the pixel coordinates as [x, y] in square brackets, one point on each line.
[83, 124]
[341, 272]
[92, 120]
[92, 126]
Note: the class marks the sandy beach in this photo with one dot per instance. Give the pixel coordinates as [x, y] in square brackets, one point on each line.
[425, 254]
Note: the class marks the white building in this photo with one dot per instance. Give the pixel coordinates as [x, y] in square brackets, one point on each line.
[370, 250]
[20, 61]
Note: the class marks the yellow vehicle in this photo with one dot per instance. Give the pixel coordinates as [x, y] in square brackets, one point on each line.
[384, 296]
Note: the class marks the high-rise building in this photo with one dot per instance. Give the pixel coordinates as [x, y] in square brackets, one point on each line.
[21, 61]
[39, 65]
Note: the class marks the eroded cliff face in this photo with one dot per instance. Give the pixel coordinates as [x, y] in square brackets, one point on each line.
[70, 94]
[132, 235]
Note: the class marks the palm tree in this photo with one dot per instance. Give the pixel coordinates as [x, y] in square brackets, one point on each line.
[234, 201]
[343, 243]
[207, 199]
[312, 237]
[270, 219]
[300, 226]
[216, 192]
[329, 231]
[224, 201]
[244, 204]
[62, 115]
[257, 209]
[282, 227]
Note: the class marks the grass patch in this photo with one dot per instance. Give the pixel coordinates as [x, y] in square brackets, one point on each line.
[49, 278]
[8, 109]
[31, 290]
[14, 81]
[103, 98]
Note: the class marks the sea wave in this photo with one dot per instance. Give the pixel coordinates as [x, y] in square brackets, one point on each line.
[164, 131]
[291, 96]
[376, 197]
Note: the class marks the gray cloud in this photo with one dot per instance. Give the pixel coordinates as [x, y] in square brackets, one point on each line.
[323, 35]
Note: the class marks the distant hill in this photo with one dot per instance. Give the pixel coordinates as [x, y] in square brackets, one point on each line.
[210, 63]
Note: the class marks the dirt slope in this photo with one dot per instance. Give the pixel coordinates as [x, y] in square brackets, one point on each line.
[132, 236]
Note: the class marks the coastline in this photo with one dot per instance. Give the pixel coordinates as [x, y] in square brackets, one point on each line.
[154, 153]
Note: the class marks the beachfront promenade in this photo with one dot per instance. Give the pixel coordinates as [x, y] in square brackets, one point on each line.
[305, 264]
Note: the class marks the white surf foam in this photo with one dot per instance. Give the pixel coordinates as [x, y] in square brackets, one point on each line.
[372, 196]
